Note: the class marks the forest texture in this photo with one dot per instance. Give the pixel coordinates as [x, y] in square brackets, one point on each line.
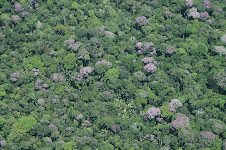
[112, 74]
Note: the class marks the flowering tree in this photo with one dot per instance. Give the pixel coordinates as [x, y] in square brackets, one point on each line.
[194, 13]
[102, 66]
[41, 101]
[103, 62]
[223, 38]
[86, 70]
[39, 26]
[15, 18]
[32, 3]
[2, 143]
[54, 99]
[189, 3]
[159, 119]
[142, 21]
[115, 128]
[169, 14]
[52, 127]
[181, 120]
[109, 34]
[18, 8]
[207, 4]
[36, 71]
[210, 21]
[150, 67]
[57, 77]
[220, 78]
[206, 138]
[152, 113]
[174, 104]
[37, 84]
[71, 44]
[204, 15]
[146, 47]
[149, 60]
[220, 49]
[42, 87]
[216, 126]
[151, 137]
[170, 50]
[45, 85]
[106, 96]
[87, 123]
[14, 76]
[78, 77]
[79, 116]
[139, 45]
[84, 55]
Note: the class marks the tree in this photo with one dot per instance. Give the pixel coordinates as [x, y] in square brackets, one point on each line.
[69, 145]
[33, 62]
[27, 122]
[2, 123]
[69, 61]
[105, 146]
[60, 29]
[111, 73]
[75, 5]
[2, 92]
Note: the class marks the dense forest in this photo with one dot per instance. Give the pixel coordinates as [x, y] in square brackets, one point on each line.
[112, 74]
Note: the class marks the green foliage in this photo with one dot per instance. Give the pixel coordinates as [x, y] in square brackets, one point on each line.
[5, 18]
[105, 122]
[69, 61]
[128, 61]
[69, 145]
[112, 26]
[202, 48]
[27, 122]
[2, 122]
[3, 103]
[93, 22]
[75, 5]
[46, 148]
[136, 127]
[33, 62]
[102, 68]
[106, 146]
[165, 112]
[216, 126]
[58, 88]
[53, 115]
[111, 73]
[2, 92]
[60, 29]
[17, 133]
